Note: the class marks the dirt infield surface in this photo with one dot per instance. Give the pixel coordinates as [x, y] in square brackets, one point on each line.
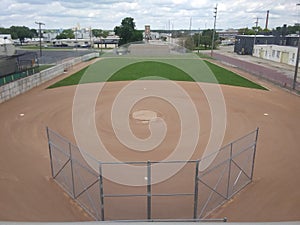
[27, 193]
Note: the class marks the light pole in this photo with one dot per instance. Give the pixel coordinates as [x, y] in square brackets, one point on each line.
[214, 30]
[297, 60]
[40, 34]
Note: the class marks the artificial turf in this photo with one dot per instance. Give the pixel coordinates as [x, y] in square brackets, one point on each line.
[157, 70]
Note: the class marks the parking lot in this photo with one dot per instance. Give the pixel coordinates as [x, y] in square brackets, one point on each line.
[56, 56]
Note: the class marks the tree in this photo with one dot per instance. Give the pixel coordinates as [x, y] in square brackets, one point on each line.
[246, 31]
[206, 38]
[100, 33]
[253, 31]
[34, 32]
[127, 31]
[287, 30]
[4, 30]
[22, 32]
[188, 42]
[69, 33]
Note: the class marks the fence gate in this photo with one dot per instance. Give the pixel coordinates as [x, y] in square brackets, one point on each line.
[190, 195]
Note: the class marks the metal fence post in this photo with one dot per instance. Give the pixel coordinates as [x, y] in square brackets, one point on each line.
[50, 152]
[196, 190]
[101, 192]
[149, 194]
[72, 172]
[229, 170]
[254, 153]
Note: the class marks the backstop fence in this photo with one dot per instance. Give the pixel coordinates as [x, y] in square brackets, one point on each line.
[191, 194]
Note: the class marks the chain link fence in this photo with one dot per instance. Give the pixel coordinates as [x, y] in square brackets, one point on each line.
[190, 195]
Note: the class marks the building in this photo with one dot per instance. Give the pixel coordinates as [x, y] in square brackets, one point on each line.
[108, 42]
[50, 35]
[84, 33]
[276, 53]
[147, 33]
[244, 43]
[277, 48]
[7, 47]
[10, 62]
[228, 34]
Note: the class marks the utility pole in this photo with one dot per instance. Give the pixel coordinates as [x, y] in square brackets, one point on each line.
[40, 34]
[191, 26]
[90, 37]
[172, 32]
[256, 26]
[199, 40]
[169, 30]
[297, 60]
[76, 42]
[214, 30]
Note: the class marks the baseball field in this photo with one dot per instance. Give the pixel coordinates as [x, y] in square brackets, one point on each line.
[109, 89]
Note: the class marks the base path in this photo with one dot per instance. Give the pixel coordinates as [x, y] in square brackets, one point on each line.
[27, 192]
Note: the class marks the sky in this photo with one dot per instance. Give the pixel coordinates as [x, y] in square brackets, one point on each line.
[159, 14]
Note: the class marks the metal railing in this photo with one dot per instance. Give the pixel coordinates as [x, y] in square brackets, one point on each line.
[190, 195]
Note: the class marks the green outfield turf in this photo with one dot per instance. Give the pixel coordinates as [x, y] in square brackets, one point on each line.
[118, 69]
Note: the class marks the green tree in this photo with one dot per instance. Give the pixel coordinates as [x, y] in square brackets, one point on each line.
[34, 32]
[206, 38]
[287, 30]
[127, 31]
[69, 33]
[246, 31]
[4, 30]
[100, 33]
[253, 31]
[21, 32]
[188, 42]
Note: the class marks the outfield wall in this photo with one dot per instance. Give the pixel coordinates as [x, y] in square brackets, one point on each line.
[20, 86]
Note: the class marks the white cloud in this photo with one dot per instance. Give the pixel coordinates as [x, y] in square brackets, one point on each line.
[106, 14]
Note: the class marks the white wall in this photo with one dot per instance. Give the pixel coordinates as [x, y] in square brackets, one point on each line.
[276, 53]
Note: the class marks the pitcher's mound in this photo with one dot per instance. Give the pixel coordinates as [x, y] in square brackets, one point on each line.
[144, 115]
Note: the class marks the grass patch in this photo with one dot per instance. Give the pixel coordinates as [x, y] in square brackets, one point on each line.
[150, 70]
[204, 56]
[71, 80]
[154, 70]
[228, 77]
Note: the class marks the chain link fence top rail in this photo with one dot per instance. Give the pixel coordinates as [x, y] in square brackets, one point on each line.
[190, 195]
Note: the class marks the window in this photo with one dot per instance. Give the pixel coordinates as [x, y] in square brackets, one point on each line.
[278, 54]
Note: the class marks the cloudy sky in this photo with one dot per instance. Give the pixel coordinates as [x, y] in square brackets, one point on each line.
[160, 14]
